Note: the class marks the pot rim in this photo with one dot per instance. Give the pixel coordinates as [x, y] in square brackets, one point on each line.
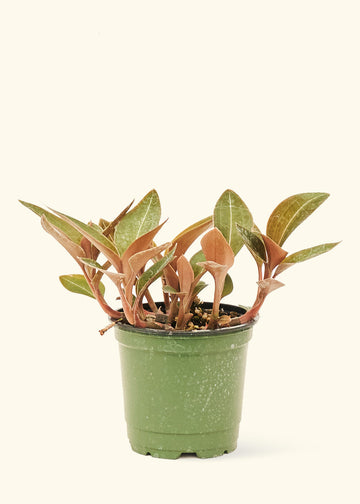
[197, 333]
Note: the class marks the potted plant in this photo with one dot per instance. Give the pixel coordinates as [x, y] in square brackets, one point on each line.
[183, 360]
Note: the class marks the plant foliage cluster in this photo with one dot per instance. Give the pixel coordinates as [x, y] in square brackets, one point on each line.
[124, 250]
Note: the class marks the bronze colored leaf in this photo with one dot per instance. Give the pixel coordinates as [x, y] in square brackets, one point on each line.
[68, 229]
[189, 235]
[186, 274]
[217, 249]
[275, 253]
[290, 213]
[269, 285]
[98, 239]
[74, 250]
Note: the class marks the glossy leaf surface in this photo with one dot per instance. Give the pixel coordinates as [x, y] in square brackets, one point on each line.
[140, 220]
[290, 213]
[229, 211]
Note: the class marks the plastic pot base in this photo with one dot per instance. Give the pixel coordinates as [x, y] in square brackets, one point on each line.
[183, 391]
[172, 446]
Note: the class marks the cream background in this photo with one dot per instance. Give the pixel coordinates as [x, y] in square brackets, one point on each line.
[102, 101]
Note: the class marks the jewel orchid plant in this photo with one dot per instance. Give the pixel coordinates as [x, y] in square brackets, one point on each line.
[123, 248]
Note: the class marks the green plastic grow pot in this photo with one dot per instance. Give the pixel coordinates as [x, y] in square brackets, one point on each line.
[183, 390]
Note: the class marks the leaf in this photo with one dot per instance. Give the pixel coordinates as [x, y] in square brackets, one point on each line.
[189, 235]
[217, 249]
[98, 239]
[154, 272]
[91, 262]
[110, 227]
[275, 254]
[197, 258]
[228, 286]
[309, 253]
[117, 278]
[169, 290]
[142, 219]
[290, 213]
[78, 284]
[74, 249]
[254, 243]
[229, 211]
[63, 226]
[269, 285]
[139, 260]
[186, 274]
[199, 287]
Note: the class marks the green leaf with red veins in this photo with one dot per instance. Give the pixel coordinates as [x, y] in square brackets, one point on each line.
[139, 221]
[74, 250]
[186, 274]
[68, 229]
[290, 213]
[229, 211]
[78, 284]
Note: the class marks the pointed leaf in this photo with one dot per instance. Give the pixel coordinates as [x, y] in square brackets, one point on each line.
[197, 258]
[78, 284]
[186, 274]
[275, 254]
[309, 253]
[254, 243]
[216, 248]
[281, 268]
[269, 285]
[154, 272]
[72, 233]
[189, 235]
[290, 213]
[139, 221]
[74, 250]
[110, 227]
[229, 211]
[98, 239]
[139, 260]
[91, 262]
